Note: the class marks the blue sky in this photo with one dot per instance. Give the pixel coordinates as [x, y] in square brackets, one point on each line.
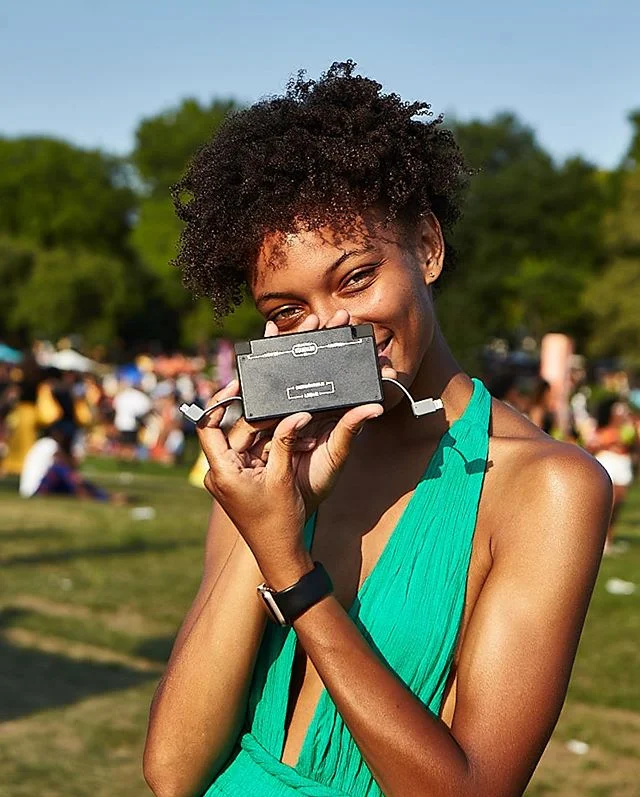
[88, 71]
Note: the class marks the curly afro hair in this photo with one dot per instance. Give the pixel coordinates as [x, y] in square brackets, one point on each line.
[324, 153]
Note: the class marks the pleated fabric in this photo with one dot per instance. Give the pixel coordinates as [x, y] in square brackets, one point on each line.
[409, 609]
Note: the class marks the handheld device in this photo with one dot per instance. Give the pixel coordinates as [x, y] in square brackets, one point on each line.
[325, 369]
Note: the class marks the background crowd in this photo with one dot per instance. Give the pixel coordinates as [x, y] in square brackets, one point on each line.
[57, 406]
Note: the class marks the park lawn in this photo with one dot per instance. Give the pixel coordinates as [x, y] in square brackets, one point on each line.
[90, 600]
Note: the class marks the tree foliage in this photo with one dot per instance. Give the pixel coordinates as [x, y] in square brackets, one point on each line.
[65, 290]
[613, 299]
[164, 145]
[529, 240]
[58, 195]
[86, 241]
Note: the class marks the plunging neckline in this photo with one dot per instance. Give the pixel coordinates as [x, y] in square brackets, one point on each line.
[291, 639]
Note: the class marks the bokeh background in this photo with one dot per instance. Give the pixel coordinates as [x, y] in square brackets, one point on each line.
[100, 108]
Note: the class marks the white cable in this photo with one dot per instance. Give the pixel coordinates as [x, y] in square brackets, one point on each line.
[421, 407]
[195, 413]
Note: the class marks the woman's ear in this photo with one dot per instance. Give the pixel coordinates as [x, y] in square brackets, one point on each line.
[430, 248]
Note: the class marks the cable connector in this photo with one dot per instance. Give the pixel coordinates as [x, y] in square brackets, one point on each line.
[421, 407]
[196, 414]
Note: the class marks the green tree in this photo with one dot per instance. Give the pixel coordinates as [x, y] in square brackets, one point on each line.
[613, 298]
[58, 195]
[528, 242]
[16, 265]
[164, 144]
[74, 291]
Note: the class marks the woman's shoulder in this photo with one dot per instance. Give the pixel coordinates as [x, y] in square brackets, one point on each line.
[539, 475]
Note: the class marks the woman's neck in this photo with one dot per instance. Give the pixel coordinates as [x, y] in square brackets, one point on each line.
[439, 376]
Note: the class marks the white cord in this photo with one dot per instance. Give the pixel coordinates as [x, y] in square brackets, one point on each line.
[195, 413]
[421, 407]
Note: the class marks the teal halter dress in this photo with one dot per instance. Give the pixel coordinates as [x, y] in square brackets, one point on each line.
[409, 609]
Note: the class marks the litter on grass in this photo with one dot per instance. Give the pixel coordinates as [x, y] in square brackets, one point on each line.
[577, 747]
[142, 513]
[616, 586]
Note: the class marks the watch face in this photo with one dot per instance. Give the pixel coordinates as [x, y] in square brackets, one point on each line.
[272, 607]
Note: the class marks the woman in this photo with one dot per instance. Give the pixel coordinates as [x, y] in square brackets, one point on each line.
[439, 662]
[612, 444]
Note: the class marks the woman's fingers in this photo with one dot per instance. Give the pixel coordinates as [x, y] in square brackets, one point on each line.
[212, 439]
[243, 435]
[284, 444]
[348, 428]
[339, 319]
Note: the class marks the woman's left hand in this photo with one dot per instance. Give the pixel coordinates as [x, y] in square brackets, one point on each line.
[262, 499]
[268, 496]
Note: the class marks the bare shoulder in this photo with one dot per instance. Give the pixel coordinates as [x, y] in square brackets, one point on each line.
[543, 478]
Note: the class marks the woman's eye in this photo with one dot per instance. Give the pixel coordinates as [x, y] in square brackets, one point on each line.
[358, 277]
[285, 314]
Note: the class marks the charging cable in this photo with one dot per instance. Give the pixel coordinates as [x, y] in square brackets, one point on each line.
[420, 408]
[195, 413]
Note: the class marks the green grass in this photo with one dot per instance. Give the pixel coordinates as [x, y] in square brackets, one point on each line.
[90, 600]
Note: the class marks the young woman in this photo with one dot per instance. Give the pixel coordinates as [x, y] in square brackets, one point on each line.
[462, 546]
[612, 444]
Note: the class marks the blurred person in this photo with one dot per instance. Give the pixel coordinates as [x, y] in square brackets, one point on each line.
[51, 468]
[22, 419]
[612, 444]
[541, 407]
[163, 436]
[507, 387]
[461, 548]
[131, 406]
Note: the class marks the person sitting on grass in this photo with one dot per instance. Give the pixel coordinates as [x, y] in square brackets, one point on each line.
[50, 468]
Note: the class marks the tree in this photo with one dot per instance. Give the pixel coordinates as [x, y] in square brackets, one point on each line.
[74, 291]
[613, 299]
[166, 142]
[16, 264]
[528, 242]
[58, 195]
[164, 145]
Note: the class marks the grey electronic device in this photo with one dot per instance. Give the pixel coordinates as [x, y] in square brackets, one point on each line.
[326, 369]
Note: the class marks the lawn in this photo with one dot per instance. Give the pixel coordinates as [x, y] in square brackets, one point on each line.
[90, 599]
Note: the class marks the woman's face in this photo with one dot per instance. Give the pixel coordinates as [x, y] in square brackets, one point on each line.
[378, 276]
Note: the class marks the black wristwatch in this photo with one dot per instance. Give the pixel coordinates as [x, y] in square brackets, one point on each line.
[288, 604]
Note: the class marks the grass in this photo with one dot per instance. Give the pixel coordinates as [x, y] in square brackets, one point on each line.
[90, 600]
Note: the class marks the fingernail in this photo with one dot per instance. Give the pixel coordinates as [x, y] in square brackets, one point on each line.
[301, 422]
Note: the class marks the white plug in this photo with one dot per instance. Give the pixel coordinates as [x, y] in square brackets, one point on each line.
[421, 407]
[195, 413]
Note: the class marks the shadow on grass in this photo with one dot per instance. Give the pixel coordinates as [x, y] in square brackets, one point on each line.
[33, 680]
[9, 484]
[133, 546]
[154, 649]
[31, 534]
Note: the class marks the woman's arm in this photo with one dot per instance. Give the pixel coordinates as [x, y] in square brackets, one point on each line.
[199, 706]
[514, 664]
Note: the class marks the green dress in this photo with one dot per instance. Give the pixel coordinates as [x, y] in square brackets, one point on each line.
[409, 609]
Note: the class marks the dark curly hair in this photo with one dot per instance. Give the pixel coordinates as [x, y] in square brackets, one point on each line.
[323, 153]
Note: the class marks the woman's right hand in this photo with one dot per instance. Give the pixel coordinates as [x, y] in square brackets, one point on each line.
[321, 450]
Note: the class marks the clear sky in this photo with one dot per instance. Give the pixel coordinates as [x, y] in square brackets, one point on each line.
[87, 70]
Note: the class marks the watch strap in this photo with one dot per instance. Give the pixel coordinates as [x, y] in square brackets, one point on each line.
[293, 601]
